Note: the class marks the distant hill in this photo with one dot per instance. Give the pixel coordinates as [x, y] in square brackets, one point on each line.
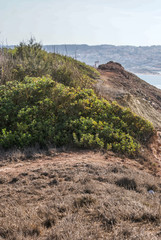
[135, 59]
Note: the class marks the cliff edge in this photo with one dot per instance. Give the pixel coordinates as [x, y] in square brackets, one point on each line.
[130, 91]
[117, 84]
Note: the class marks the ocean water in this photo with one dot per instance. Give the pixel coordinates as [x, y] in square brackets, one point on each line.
[154, 80]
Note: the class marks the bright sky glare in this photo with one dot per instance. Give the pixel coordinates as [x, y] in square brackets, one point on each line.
[117, 22]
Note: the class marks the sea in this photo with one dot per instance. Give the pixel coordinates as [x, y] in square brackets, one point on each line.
[154, 80]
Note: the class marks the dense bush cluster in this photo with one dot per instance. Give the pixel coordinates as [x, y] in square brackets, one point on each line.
[40, 110]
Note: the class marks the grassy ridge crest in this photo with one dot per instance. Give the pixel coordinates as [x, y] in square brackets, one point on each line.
[29, 59]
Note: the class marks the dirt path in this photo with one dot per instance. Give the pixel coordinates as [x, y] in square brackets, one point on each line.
[58, 158]
[70, 158]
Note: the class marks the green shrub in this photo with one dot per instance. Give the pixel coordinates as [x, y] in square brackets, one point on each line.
[39, 110]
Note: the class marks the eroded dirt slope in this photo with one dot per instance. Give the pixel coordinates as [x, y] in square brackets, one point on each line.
[130, 91]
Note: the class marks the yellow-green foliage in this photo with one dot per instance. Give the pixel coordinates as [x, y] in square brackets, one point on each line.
[40, 110]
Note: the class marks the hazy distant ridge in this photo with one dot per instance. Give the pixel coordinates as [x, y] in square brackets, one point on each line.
[136, 59]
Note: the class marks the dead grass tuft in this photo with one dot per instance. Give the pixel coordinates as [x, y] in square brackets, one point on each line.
[84, 201]
[129, 184]
[146, 217]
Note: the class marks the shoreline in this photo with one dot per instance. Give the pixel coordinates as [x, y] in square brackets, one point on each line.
[148, 74]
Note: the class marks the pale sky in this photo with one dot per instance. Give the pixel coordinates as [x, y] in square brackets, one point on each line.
[93, 22]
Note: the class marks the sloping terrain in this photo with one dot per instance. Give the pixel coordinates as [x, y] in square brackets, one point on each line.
[116, 84]
[130, 91]
[54, 194]
[78, 195]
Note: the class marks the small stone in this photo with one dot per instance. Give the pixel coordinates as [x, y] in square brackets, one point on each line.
[151, 191]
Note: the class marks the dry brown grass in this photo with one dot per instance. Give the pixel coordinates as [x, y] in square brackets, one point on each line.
[6, 64]
[81, 199]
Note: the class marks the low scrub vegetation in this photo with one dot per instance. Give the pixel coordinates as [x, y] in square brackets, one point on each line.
[40, 110]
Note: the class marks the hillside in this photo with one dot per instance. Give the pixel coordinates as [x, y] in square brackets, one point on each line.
[142, 59]
[60, 108]
[77, 195]
[130, 91]
[74, 164]
[117, 84]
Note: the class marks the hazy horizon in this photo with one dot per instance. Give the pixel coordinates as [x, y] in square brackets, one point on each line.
[73, 44]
